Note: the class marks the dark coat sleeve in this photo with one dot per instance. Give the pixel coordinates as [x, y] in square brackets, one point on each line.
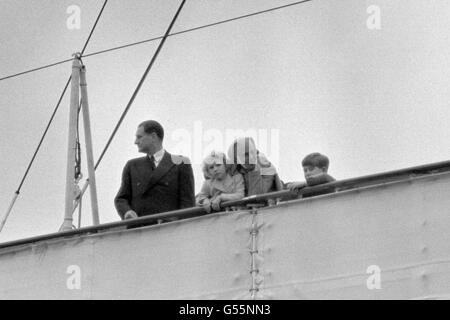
[123, 198]
[186, 190]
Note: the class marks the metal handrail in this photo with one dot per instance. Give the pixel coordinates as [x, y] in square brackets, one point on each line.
[353, 183]
[182, 213]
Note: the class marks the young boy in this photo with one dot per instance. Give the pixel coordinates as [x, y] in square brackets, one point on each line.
[315, 168]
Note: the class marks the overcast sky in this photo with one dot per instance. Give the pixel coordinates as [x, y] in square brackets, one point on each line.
[311, 77]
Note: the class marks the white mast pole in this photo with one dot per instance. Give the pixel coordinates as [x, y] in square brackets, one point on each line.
[71, 149]
[88, 140]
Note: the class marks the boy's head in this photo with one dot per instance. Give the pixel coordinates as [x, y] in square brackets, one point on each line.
[315, 165]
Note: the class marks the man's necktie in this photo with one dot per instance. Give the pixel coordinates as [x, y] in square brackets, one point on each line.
[152, 162]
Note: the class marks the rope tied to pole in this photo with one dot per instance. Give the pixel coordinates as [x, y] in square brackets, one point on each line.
[78, 175]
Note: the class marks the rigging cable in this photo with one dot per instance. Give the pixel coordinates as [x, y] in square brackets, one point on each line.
[127, 108]
[160, 37]
[16, 194]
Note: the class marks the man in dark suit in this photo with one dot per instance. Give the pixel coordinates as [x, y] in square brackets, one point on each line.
[158, 182]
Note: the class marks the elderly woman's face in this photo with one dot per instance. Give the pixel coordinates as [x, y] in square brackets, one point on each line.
[217, 170]
[249, 161]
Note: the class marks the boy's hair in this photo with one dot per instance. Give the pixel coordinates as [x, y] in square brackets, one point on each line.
[210, 159]
[316, 160]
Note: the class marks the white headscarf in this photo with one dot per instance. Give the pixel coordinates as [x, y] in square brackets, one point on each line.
[243, 145]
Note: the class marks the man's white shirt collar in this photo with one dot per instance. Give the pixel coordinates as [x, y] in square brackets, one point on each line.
[158, 156]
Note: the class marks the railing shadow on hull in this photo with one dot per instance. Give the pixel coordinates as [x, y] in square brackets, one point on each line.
[347, 184]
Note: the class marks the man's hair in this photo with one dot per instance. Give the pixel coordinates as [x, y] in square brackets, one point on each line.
[316, 160]
[151, 126]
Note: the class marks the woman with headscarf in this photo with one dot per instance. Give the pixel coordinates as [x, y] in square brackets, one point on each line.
[260, 175]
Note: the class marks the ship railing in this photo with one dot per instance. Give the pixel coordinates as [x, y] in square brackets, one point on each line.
[270, 199]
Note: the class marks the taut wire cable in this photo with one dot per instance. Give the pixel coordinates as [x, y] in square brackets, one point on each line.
[17, 192]
[127, 108]
[160, 37]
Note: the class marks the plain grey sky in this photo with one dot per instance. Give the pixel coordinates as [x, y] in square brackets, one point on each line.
[313, 75]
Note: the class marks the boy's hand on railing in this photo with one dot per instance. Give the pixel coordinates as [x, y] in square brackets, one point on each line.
[295, 186]
[130, 214]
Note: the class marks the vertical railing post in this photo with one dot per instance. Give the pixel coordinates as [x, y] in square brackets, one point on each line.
[89, 148]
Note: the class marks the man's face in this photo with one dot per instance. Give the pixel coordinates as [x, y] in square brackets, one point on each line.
[144, 141]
